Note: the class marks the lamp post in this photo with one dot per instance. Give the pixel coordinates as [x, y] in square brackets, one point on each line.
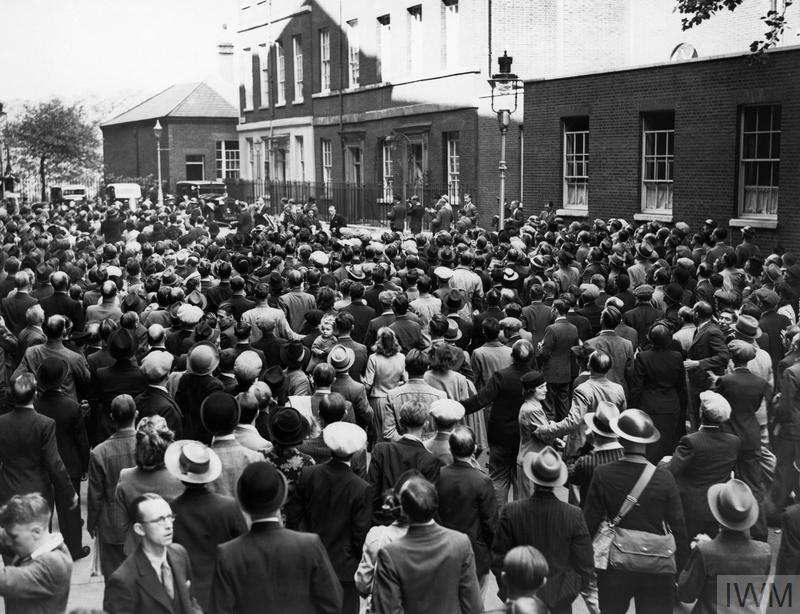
[391, 141]
[157, 131]
[503, 84]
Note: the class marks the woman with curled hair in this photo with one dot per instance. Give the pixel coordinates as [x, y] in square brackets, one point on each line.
[444, 375]
[659, 389]
[386, 370]
[153, 437]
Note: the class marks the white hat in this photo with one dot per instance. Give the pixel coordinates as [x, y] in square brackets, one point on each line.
[248, 365]
[114, 271]
[442, 272]
[714, 406]
[447, 410]
[344, 438]
[189, 314]
[319, 258]
[157, 365]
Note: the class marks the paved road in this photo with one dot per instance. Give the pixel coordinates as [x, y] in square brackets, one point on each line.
[87, 590]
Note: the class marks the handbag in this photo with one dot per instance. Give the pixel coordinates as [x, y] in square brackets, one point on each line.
[629, 549]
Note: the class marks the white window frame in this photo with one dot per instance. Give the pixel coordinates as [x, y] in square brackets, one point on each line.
[353, 54]
[657, 190]
[265, 159]
[452, 32]
[201, 163]
[576, 168]
[297, 53]
[325, 60]
[454, 167]
[355, 164]
[326, 147]
[246, 65]
[300, 157]
[765, 195]
[227, 160]
[387, 170]
[280, 164]
[385, 46]
[280, 61]
[263, 66]
[415, 39]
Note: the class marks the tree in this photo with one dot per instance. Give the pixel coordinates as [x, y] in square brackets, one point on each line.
[696, 12]
[56, 136]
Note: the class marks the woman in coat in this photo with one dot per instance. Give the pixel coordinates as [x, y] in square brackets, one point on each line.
[386, 370]
[659, 389]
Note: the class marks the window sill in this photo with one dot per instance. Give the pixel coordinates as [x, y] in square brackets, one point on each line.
[573, 212]
[652, 216]
[278, 105]
[298, 101]
[755, 222]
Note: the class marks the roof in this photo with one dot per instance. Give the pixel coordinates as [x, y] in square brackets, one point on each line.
[198, 99]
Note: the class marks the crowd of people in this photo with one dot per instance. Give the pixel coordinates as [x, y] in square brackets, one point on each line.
[295, 416]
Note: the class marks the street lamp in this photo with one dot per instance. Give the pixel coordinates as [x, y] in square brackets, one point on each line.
[503, 84]
[157, 131]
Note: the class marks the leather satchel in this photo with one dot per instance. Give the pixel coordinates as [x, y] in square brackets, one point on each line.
[629, 549]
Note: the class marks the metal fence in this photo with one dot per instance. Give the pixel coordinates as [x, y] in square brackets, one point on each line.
[29, 187]
[360, 204]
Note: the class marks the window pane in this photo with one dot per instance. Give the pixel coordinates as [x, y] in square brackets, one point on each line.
[764, 119]
[649, 143]
[749, 146]
[762, 145]
[750, 119]
[775, 150]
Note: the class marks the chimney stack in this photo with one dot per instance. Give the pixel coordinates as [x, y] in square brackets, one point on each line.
[225, 56]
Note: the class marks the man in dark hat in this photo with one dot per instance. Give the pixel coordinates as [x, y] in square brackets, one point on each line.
[301, 577]
[155, 399]
[556, 357]
[658, 505]
[453, 303]
[555, 528]
[707, 352]
[643, 315]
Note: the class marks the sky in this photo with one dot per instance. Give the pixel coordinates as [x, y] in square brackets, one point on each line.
[71, 48]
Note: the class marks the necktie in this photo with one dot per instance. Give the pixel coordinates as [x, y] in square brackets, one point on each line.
[166, 580]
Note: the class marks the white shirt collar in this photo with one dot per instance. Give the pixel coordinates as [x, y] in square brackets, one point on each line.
[216, 438]
[50, 543]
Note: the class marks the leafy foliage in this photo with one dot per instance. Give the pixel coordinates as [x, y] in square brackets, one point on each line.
[55, 138]
[696, 12]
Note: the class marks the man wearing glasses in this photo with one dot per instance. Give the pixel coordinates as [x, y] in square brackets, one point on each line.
[156, 578]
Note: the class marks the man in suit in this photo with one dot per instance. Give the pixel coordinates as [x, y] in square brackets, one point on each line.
[38, 580]
[269, 345]
[620, 350]
[203, 519]
[361, 312]
[658, 506]
[590, 309]
[155, 400]
[642, 316]
[296, 302]
[430, 568]
[467, 501]
[772, 323]
[493, 310]
[333, 502]
[72, 443]
[372, 294]
[238, 302]
[406, 325]
[708, 352]
[60, 303]
[788, 562]
[245, 432]
[108, 307]
[78, 377]
[492, 356]
[13, 308]
[29, 458]
[702, 459]
[343, 328]
[555, 528]
[386, 318]
[157, 577]
[220, 293]
[454, 302]
[123, 377]
[730, 553]
[300, 575]
[504, 392]
[391, 459]
[106, 461]
[786, 440]
[446, 413]
[556, 357]
[537, 316]
[578, 320]
[745, 391]
[415, 389]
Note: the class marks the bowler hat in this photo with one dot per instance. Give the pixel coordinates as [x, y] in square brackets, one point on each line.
[545, 468]
[192, 462]
[341, 358]
[121, 345]
[51, 373]
[599, 421]
[454, 300]
[635, 426]
[733, 504]
[673, 293]
[219, 413]
[287, 426]
[261, 488]
[202, 358]
[295, 354]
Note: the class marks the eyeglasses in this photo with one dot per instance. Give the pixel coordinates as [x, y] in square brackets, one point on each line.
[161, 519]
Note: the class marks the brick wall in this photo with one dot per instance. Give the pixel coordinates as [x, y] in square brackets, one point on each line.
[706, 97]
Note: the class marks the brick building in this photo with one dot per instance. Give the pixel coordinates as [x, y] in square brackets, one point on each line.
[199, 139]
[689, 140]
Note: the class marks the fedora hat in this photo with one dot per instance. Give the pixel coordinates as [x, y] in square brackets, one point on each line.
[219, 413]
[453, 332]
[51, 373]
[295, 354]
[644, 251]
[454, 300]
[635, 426]
[261, 488]
[355, 272]
[599, 421]
[733, 505]
[510, 275]
[192, 462]
[545, 468]
[202, 358]
[121, 345]
[747, 326]
[287, 426]
[274, 378]
[341, 358]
